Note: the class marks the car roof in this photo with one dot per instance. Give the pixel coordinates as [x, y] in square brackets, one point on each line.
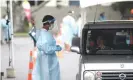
[110, 24]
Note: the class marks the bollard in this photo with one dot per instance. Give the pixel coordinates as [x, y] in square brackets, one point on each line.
[2, 74]
[10, 72]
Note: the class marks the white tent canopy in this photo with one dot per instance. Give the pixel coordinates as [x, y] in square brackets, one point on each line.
[87, 3]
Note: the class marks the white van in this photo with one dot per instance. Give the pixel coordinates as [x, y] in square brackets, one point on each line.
[106, 58]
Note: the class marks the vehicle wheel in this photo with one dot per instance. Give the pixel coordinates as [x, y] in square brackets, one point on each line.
[77, 77]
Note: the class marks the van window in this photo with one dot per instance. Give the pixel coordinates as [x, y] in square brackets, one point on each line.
[111, 41]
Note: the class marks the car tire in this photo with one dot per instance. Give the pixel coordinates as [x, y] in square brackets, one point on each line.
[77, 77]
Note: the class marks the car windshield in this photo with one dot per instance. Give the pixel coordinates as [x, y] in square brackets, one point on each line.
[108, 41]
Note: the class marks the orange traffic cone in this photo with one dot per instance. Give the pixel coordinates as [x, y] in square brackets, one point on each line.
[30, 66]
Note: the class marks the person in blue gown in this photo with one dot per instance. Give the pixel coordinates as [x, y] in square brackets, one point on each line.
[102, 16]
[6, 28]
[47, 64]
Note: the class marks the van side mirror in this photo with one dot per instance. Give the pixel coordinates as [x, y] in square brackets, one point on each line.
[76, 42]
[75, 45]
[75, 49]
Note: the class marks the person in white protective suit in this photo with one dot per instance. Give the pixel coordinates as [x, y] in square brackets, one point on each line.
[79, 24]
[69, 29]
[47, 65]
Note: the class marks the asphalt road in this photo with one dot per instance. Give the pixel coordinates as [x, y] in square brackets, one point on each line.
[22, 47]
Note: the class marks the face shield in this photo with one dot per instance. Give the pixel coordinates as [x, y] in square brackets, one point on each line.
[54, 28]
[51, 26]
[52, 23]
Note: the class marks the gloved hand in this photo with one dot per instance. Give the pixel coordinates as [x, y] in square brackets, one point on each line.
[58, 48]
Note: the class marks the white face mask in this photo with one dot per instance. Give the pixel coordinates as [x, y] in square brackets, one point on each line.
[51, 27]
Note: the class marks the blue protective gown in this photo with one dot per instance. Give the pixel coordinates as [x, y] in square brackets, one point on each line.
[47, 64]
[6, 29]
[101, 18]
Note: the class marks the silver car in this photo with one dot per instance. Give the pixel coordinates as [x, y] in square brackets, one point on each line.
[109, 57]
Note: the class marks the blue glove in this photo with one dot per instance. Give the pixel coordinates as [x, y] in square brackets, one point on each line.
[58, 48]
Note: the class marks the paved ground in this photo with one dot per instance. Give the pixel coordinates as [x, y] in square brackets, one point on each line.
[68, 64]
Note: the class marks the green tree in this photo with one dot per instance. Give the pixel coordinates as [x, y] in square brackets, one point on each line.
[122, 6]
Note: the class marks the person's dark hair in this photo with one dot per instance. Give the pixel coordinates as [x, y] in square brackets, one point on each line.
[102, 14]
[70, 11]
[79, 15]
[48, 19]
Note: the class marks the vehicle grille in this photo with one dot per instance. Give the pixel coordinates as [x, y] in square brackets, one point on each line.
[117, 75]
